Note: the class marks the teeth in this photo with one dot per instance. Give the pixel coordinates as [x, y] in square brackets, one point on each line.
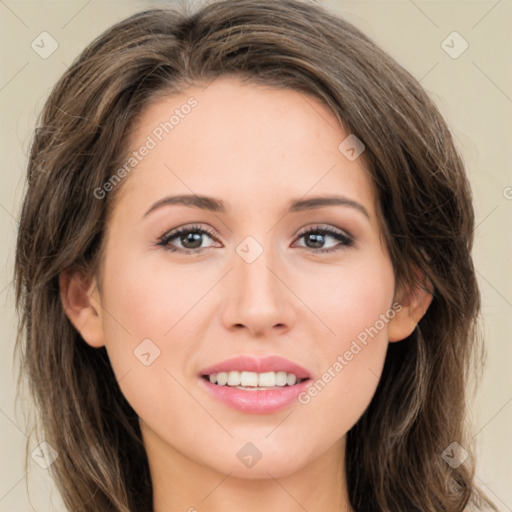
[253, 379]
[234, 378]
[291, 379]
[281, 378]
[267, 379]
[248, 379]
[222, 378]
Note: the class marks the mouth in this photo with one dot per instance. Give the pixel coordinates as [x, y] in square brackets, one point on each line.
[255, 385]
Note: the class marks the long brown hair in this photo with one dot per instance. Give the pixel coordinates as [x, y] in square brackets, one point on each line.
[394, 453]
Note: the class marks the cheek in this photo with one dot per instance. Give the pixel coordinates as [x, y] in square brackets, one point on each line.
[149, 299]
[154, 321]
[145, 322]
[351, 300]
[356, 306]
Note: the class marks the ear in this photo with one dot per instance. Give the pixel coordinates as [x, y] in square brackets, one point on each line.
[414, 304]
[81, 301]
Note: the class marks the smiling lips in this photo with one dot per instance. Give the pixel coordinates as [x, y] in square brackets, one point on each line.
[256, 385]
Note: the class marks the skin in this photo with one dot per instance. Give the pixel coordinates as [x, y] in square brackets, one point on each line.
[256, 149]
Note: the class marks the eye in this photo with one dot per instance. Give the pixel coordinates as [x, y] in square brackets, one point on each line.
[317, 237]
[191, 238]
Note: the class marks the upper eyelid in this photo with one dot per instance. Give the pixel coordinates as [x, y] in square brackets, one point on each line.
[320, 227]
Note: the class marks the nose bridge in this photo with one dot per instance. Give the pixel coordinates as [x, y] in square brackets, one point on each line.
[258, 283]
[255, 275]
[258, 299]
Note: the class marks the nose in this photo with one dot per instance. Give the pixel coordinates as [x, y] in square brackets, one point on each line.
[258, 298]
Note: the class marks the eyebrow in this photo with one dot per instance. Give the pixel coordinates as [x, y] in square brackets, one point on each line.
[217, 205]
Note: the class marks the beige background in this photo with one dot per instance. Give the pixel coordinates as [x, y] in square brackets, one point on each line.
[473, 91]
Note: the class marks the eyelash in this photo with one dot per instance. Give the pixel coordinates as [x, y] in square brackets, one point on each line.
[163, 241]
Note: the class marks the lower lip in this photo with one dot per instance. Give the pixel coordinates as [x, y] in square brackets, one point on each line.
[256, 401]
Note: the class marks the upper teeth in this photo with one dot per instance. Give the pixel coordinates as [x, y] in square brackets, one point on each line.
[253, 379]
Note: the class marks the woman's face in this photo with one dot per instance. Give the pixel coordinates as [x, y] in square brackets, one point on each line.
[244, 280]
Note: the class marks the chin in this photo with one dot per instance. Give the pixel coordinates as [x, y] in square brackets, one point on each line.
[260, 459]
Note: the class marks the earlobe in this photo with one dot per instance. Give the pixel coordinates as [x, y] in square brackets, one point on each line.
[81, 303]
[414, 305]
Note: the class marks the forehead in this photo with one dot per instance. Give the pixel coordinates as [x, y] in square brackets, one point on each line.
[238, 140]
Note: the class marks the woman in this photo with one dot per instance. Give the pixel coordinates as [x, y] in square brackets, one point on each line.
[244, 271]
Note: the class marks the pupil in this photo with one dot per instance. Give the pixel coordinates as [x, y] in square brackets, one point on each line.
[190, 237]
[317, 239]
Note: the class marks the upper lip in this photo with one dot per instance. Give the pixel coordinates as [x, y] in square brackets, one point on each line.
[258, 365]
